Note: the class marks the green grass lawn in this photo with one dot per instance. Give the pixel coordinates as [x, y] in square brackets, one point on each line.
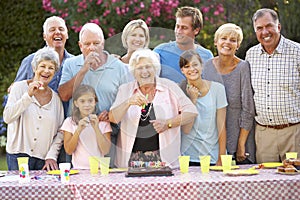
[3, 165]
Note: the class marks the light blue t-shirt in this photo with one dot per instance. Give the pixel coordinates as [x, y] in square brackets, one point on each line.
[169, 58]
[105, 80]
[204, 138]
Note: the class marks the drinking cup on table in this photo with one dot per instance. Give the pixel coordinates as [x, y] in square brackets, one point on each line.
[104, 165]
[226, 162]
[94, 164]
[292, 155]
[184, 163]
[23, 169]
[205, 163]
[65, 172]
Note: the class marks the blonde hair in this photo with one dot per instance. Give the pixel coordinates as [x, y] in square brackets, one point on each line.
[145, 53]
[131, 26]
[229, 29]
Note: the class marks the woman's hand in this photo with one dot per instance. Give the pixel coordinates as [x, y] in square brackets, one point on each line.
[138, 99]
[103, 116]
[193, 92]
[35, 86]
[159, 125]
[219, 162]
[241, 154]
[50, 164]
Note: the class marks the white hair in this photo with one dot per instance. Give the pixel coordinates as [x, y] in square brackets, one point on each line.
[51, 19]
[94, 28]
[46, 53]
[145, 53]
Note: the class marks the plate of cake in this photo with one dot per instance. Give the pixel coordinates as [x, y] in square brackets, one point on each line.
[290, 167]
[151, 168]
[149, 171]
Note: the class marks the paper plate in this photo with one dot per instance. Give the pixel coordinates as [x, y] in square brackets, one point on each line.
[272, 164]
[220, 168]
[288, 173]
[118, 170]
[57, 172]
[242, 172]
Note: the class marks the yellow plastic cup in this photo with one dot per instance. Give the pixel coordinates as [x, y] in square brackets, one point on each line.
[184, 163]
[22, 160]
[94, 164]
[23, 170]
[226, 162]
[104, 165]
[205, 163]
[292, 155]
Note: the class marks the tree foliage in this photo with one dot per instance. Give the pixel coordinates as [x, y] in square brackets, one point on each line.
[21, 23]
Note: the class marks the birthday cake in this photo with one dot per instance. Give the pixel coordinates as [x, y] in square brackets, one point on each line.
[140, 168]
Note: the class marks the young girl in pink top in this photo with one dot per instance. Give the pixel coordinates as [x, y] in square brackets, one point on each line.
[84, 135]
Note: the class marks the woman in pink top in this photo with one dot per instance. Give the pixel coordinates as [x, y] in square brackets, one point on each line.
[84, 135]
[152, 111]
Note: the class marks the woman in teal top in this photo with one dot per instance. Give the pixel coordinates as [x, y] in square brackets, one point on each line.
[208, 135]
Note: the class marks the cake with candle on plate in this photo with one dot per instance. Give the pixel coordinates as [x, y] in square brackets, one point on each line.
[151, 168]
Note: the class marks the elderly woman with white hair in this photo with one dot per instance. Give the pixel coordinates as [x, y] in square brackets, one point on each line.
[34, 113]
[152, 111]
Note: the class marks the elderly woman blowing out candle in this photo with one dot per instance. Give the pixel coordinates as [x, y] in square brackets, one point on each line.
[152, 111]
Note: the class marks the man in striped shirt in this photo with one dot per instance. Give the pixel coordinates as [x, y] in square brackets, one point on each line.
[275, 74]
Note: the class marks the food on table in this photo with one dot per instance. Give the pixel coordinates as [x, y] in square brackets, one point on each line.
[292, 161]
[288, 168]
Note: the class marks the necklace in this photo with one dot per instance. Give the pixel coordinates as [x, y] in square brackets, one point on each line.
[144, 117]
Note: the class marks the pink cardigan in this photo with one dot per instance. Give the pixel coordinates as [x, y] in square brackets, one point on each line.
[168, 102]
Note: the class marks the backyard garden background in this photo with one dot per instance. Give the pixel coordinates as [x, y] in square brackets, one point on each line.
[21, 27]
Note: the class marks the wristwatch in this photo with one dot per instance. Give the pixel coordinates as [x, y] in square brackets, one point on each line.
[169, 125]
